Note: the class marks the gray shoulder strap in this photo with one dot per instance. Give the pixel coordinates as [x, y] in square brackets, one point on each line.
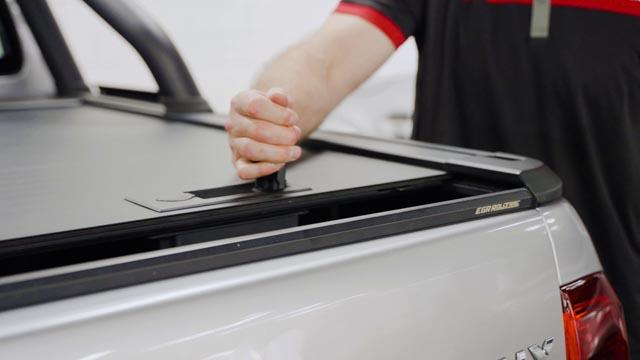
[540, 14]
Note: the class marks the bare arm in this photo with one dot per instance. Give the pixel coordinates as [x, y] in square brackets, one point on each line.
[296, 91]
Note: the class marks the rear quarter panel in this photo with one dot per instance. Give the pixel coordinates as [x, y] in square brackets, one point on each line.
[575, 253]
[479, 290]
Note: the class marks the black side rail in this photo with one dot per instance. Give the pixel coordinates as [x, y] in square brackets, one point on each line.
[177, 90]
[540, 180]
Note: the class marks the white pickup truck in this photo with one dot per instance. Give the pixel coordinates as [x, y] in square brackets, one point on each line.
[124, 233]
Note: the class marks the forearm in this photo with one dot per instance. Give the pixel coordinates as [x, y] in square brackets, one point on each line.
[296, 92]
[306, 77]
[323, 69]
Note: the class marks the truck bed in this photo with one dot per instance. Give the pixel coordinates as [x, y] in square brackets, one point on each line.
[392, 235]
[75, 172]
[70, 168]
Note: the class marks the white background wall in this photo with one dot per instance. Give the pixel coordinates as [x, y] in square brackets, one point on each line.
[225, 43]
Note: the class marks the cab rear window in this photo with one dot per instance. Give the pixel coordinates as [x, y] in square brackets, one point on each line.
[10, 52]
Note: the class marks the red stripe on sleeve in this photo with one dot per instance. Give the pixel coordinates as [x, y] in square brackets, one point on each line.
[380, 20]
[628, 7]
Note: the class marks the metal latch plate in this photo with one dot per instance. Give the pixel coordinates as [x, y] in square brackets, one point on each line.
[208, 197]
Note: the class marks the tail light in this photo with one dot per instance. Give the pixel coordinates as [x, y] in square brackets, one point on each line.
[593, 320]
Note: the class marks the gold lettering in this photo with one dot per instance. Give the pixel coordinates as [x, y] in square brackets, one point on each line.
[497, 207]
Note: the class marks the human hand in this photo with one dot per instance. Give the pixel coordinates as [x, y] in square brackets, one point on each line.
[263, 132]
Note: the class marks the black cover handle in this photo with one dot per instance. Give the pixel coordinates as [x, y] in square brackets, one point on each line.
[272, 183]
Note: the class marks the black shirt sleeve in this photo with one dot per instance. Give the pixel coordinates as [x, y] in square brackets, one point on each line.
[398, 19]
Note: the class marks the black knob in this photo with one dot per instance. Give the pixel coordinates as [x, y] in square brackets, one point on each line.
[272, 183]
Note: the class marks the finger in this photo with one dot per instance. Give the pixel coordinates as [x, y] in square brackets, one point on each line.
[263, 131]
[249, 170]
[252, 150]
[278, 96]
[234, 154]
[229, 126]
[257, 106]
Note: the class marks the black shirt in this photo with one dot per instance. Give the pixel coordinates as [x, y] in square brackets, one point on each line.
[571, 99]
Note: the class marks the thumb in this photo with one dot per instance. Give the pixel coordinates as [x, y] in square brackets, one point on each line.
[278, 96]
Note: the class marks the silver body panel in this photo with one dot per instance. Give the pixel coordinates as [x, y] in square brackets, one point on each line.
[574, 251]
[482, 289]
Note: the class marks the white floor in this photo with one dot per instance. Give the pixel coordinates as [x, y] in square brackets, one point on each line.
[226, 42]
